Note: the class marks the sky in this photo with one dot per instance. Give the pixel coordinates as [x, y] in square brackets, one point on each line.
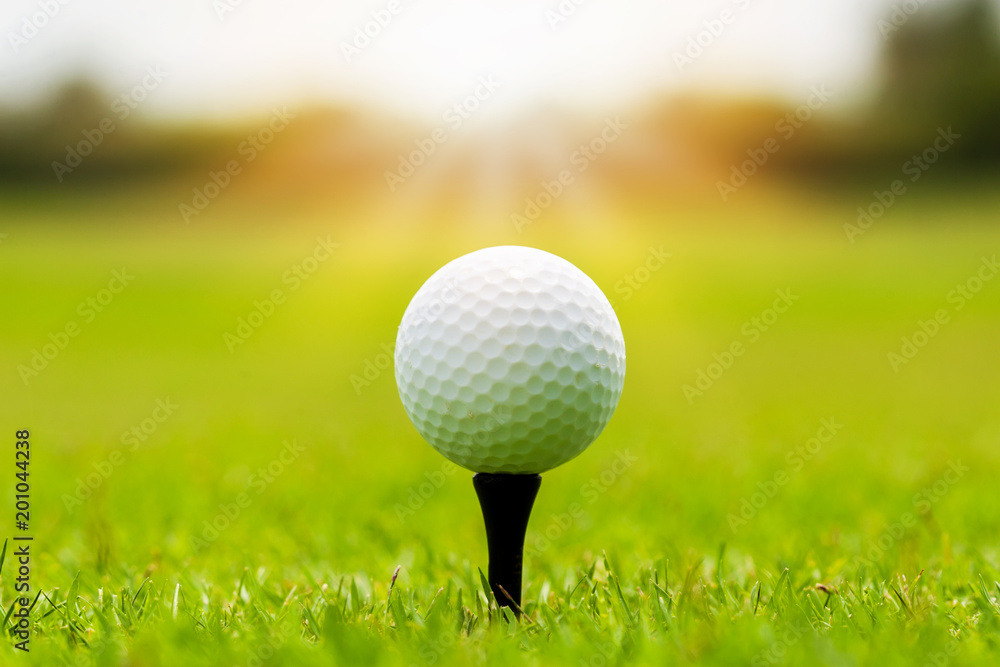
[218, 58]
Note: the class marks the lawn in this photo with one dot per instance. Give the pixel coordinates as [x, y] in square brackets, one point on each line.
[222, 473]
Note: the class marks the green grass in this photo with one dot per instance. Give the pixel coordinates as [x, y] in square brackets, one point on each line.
[643, 565]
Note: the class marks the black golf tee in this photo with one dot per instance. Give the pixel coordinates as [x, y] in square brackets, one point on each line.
[506, 501]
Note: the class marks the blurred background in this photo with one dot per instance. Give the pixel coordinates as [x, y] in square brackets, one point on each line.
[225, 205]
[846, 92]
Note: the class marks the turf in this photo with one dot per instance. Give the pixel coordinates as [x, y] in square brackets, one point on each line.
[812, 505]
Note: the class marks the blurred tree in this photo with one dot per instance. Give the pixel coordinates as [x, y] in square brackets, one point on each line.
[79, 104]
[942, 68]
[34, 141]
[29, 138]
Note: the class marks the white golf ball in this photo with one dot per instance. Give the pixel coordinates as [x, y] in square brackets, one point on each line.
[510, 360]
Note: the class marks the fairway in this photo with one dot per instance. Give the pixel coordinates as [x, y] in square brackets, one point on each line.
[222, 471]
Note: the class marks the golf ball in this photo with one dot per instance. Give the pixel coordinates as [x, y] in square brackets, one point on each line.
[510, 360]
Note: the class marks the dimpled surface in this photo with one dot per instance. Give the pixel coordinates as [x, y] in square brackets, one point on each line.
[510, 360]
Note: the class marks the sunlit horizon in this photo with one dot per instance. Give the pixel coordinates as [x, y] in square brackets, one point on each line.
[223, 60]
